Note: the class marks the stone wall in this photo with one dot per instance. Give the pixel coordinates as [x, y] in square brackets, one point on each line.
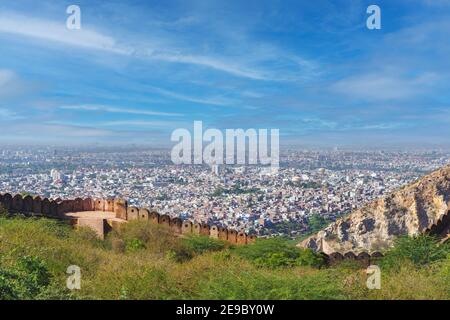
[364, 258]
[57, 208]
[181, 227]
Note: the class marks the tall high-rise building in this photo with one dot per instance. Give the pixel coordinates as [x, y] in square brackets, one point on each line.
[56, 176]
[215, 169]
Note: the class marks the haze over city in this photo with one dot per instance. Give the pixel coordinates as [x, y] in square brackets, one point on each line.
[310, 189]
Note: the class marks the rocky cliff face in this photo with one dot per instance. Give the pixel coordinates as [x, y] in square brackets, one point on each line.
[408, 211]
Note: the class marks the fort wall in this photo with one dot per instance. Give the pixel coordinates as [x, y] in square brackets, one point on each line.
[364, 258]
[120, 213]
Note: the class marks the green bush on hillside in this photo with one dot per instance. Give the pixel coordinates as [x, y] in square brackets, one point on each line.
[317, 222]
[420, 250]
[140, 235]
[201, 244]
[134, 245]
[277, 252]
[3, 211]
[25, 280]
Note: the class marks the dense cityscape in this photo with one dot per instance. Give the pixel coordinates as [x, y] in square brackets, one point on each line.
[312, 187]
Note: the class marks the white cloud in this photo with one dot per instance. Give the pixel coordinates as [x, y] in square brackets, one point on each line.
[12, 85]
[73, 131]
[379, 126]
[90, 39]
[57, 32]
[157, 49]
[140, 123]
[8, 115]
[112, 109]
[384, 86]
[5, 77]
[219, 101]
[211, 62]
[51, 132]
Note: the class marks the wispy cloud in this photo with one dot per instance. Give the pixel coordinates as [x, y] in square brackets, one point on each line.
[91, 39]
[301, 68]
[210, 62]
[141, 123]
[12, 85]
[112, 109]
[8, 115]
[384, 86]
[52, 131]
[5, 77]
[57, 32]
[218, 101]
[75, 131]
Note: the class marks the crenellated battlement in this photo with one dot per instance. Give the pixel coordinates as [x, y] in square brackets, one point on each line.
[102, 215]
[364, 258]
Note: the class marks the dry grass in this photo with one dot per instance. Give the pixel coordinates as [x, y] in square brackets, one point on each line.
[147, 267]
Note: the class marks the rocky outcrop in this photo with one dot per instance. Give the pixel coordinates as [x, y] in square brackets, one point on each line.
[412, 210]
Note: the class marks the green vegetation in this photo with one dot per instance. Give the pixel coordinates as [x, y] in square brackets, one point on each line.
[317, 223]
[236, 190]
[199, 245]
[276, 252]
[419, 250]
[282, 227]
[25, 194]
[145, 261]
[3, 211]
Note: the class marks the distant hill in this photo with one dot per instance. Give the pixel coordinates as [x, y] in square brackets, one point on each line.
[414, 209]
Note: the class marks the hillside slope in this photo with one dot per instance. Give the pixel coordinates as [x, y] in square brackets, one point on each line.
[408, 211]
[146, 261]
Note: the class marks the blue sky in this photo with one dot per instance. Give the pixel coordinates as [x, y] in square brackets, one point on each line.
[137, 70]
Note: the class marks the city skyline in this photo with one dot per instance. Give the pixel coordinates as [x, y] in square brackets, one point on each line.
[136, 71]
[309, 185]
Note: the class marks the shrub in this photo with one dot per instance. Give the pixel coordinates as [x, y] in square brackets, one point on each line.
[134, 245]
[317, 222]
[218, 276]
[309, 258]
[3, 211]
[277, 252]
[145, 235]
[275, 260]
[201, 244]
[420, 250]
[25, 280]
[118, 245]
